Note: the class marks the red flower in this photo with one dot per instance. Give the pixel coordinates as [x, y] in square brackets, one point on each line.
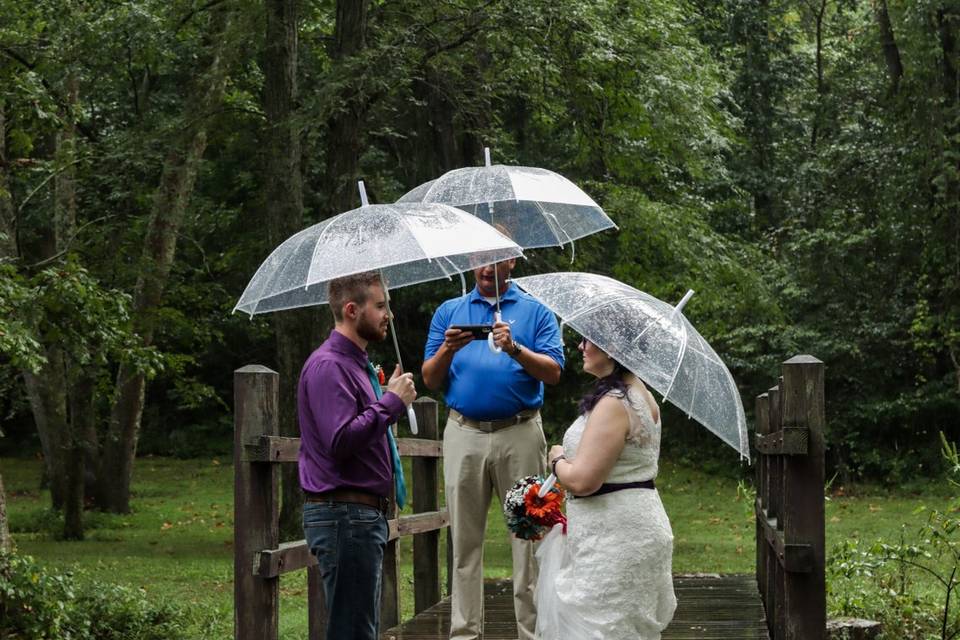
[545, 509]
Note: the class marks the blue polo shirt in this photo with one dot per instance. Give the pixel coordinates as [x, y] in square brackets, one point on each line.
[484, 385]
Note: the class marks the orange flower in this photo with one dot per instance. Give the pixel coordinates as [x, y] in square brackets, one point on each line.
[546, 506]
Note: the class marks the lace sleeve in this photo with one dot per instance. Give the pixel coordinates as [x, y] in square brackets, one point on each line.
[641, 419]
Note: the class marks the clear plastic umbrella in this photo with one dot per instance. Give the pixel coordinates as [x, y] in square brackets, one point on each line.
[407, 243]
[535, 207]
[652, 339]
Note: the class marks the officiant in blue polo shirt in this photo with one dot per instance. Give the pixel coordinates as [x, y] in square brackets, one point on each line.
[494, 433]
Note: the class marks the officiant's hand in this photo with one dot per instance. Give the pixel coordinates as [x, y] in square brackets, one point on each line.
[502, 336]
[455, 339]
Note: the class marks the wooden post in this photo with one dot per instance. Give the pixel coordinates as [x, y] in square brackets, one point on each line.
[776, 575]
[316, 605]
[803, 510]
[763, 502]
[390, 585]
[256, 506]
[426, 497]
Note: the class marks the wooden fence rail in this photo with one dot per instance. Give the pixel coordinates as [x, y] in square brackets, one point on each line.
[259, 556]
[789, 505]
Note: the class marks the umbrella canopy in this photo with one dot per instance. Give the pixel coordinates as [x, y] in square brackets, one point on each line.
[536, 207]
[653, 340]
[408, 243]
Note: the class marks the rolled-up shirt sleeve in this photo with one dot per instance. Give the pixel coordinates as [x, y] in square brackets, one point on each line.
[344, 428]
[549, 340]
[435, 336]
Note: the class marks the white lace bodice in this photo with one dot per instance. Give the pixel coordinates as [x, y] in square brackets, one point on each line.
[638, 461]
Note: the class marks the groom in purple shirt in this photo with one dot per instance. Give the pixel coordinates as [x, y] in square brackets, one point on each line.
[347, 456]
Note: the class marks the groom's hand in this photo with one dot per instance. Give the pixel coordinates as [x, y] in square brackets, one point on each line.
[402, 385]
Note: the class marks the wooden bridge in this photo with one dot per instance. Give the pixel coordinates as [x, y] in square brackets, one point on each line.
[785, 599]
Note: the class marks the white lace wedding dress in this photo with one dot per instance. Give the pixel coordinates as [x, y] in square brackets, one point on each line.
[610, 577]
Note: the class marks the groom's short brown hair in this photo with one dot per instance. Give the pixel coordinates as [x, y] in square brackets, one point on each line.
[352, 288]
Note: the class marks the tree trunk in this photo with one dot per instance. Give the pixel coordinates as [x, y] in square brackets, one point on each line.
[47, 388]
[284, 207]
[891, 52]
[79, 380]
[344, 126]
[167, 213]
[436, 148]
[756, 93]
[6, 544]
[8, 221]
[821, 86]
[948, 25]
[81, 422]
[8, 249]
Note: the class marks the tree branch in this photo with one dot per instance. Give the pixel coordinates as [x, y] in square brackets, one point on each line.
[13, 55]
[189, 16]
[45, 181]
[66, 248]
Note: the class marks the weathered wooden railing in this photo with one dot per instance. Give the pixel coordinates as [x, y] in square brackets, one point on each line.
[259, 556]
[789, 507]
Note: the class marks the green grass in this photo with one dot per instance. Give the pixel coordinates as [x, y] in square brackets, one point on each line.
[177, 543]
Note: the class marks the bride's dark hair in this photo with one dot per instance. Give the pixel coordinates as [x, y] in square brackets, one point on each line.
[611, 382]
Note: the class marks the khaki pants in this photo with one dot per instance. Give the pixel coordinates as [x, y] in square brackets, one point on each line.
[478, 465]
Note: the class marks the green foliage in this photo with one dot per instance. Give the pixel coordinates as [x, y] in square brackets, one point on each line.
[810, 214]
[39, 604]
[914, 581]
[91, 324]
[18, 342]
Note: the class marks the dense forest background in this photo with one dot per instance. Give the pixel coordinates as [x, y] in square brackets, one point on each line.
[796, 162]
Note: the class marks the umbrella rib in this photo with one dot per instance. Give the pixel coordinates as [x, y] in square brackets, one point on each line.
[578, 314]
[547, 216]
[693, 398]
[463, 281]
[316, 249]
[641, 334]
[284, 261]
[683, 353]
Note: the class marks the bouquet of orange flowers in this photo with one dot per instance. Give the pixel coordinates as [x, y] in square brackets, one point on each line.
[528, 515]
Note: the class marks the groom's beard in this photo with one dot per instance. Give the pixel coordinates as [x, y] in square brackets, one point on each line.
[370, 331]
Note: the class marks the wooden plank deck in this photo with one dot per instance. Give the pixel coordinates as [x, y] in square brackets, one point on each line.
[709, 607]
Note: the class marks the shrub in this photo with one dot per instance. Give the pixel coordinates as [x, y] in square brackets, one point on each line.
[911, 585]
[40, 604]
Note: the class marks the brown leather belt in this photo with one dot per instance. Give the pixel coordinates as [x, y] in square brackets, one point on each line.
[493, 425]
[348, 495]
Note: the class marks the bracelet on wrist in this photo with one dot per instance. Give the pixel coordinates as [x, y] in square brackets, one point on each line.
[515, 349]
[553, 463]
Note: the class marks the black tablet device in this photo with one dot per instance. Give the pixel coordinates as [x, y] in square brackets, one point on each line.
[479, 331]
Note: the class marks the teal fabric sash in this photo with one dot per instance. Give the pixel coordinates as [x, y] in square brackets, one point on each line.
[397, 467]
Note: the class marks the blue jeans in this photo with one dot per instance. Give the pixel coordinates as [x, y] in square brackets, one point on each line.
[348, 541]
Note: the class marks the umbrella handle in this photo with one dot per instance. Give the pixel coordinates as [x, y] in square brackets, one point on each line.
[393, 334]
[412, 417]
[547, 485]
[490, 341]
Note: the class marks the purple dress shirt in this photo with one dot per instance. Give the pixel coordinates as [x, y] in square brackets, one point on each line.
[343, 427]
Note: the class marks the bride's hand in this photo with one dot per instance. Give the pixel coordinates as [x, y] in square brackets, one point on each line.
[555, 450]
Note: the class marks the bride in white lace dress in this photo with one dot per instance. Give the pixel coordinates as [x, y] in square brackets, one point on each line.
[609, 577]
